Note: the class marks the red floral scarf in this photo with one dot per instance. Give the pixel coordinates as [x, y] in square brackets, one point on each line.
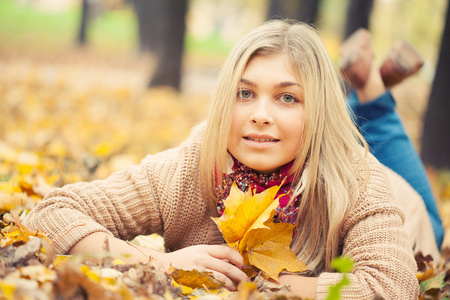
[246, 178]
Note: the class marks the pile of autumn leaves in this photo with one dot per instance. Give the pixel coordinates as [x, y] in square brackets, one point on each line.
[31, 270]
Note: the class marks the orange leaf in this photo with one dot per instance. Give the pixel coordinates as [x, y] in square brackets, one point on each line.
[195, 279]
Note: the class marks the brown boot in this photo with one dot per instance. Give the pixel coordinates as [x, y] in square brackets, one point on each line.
[356, 58]
[401, 62]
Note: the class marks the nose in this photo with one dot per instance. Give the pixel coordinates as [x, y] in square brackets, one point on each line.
[261, 114]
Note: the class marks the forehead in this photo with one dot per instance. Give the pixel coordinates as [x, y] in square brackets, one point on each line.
[276, 66]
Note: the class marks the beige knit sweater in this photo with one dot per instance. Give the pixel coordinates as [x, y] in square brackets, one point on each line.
[161, 195]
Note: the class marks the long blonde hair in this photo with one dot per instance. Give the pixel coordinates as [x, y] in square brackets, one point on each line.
[330, 143]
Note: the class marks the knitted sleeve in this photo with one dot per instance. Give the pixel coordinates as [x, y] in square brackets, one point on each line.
[134, 201]
[373, 237]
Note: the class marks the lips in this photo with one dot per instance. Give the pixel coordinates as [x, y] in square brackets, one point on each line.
[260, 140]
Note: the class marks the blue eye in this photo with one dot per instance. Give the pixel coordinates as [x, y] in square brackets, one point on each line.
[244, 94]
[286, 98]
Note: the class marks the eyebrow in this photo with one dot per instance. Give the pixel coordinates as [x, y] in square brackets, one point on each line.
[281, 84]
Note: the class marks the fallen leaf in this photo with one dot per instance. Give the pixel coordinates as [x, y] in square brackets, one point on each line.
[434, 283]
[17, 233]
[425, 267]
[265, 285]
[7, 289]
[37, 272]
[246, 290]
[195, 279]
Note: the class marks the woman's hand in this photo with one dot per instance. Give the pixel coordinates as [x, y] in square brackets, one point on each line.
[224, 262]
[221, 260]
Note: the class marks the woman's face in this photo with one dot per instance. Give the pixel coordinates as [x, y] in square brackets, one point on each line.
[267, 121]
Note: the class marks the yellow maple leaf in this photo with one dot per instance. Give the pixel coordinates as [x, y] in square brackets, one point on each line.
[241, 211]
[247, 226]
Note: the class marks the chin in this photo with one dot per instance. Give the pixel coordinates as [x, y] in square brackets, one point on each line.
[259, 169]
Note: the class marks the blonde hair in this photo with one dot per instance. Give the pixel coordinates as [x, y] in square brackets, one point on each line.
[330, 143]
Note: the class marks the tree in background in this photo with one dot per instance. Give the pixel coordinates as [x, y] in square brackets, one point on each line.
[89, 10]
[302, 10]
[435, 147]
[162, 26]
[358, 15]
[358, 12]
[84, 22]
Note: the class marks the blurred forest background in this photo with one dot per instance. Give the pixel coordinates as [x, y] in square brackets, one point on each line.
[88, 87]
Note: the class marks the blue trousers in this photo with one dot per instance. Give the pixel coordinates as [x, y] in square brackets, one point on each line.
[383, 130]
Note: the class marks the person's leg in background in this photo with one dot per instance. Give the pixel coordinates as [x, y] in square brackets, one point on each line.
[374, 109]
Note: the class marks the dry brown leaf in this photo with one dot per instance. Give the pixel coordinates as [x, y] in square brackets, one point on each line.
[425, 267]
[195, 279]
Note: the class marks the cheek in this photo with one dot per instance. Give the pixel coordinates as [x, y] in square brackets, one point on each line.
[294, 125]
[296, 132]
[237, 119]
[238, 112]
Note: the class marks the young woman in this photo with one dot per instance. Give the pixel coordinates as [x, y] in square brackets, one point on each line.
[278, 111]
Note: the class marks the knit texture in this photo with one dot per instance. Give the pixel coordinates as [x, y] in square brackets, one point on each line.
[374, 237]
[162, 195]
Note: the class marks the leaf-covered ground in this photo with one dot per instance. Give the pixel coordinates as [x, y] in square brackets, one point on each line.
[81, 117]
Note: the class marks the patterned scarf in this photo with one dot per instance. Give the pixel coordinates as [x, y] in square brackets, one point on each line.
[246, 178]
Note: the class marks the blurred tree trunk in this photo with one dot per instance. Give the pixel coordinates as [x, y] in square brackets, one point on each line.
[90, 9]
[358, 15]
[435, 148]
[301, 10]
[161, 32]
[84, 23]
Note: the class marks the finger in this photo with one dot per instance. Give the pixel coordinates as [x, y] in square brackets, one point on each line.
[226, 253]
[229, 284]
[225, 268]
